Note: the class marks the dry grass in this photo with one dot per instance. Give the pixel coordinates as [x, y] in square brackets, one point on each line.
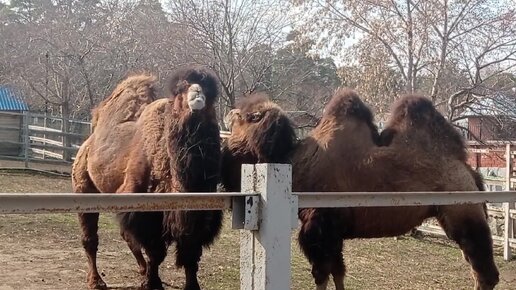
[44, 252]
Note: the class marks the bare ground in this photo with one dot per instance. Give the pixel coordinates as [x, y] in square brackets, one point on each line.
[44, 252]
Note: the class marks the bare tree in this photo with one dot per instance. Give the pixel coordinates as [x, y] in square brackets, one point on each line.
[235, 38]
[375, 79]
[424, 39]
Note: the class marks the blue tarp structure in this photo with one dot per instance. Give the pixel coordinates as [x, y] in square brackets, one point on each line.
[9, 101]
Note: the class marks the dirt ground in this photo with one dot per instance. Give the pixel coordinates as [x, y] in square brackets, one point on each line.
[44, 252]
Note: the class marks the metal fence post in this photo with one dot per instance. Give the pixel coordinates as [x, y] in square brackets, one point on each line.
[265, 252]
[26, 140]
[509, 222]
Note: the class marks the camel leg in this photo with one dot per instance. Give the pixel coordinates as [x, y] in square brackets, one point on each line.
[136, 250]
[90, 242]
[322, 244]
[156, 252]
[188, 255]
[467, 225]
[322, 286]
[338, 271]
[82, 183]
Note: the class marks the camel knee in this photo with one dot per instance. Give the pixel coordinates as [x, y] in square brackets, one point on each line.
[488, 281]
[90, 243]
[321, 272]
[474, 239]
[188, 256]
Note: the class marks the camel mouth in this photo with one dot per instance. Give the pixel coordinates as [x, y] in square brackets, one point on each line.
[196, 98]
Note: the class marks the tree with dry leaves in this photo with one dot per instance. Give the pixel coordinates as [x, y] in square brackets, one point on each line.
[424, 40]
[235, 38]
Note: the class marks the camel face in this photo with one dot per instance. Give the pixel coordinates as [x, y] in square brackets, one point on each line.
[196, 98]
[260, 129]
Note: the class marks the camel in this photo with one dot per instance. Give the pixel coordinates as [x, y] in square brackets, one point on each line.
[342, 154]
[142, 145]
[268, 137]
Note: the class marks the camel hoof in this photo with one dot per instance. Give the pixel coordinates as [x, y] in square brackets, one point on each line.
[152, 285]
[143, 271]
[192, 287]
[97, 284]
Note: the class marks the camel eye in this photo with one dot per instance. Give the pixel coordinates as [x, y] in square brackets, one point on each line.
[254, 117]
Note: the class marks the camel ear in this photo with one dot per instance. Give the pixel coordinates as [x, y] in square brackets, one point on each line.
[277, 139]
[228, 119]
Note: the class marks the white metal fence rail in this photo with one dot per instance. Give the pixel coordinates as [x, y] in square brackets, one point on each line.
[266, 210]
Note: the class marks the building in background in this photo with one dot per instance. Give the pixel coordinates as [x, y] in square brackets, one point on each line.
[11, 121]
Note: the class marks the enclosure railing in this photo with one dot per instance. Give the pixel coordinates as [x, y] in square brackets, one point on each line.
[266, 210]
[30, 137]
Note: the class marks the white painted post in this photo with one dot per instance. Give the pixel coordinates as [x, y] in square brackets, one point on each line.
[265, 253]
[509, 222]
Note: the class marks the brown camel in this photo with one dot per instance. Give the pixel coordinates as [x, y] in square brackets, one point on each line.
[269, 137]
[342, 154]
[169, 145]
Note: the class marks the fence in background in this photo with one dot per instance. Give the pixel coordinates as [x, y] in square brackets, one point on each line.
[43, 139]
[266, 211]
[31, 137]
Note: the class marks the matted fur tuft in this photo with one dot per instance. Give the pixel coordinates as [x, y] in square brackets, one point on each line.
[127, 100]
[185, 76]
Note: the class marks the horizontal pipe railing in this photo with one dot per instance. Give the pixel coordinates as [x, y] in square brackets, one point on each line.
[108, 202]
[375, 199]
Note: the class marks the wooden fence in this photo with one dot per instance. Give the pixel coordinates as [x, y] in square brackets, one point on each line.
[265, 211]
[40, 137]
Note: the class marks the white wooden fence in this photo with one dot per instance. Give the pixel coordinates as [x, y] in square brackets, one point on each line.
[265, 210]
[44, 139]
[35, 137]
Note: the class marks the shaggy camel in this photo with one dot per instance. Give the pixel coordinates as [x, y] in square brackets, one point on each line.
[169, 145]
[345, 144]
[263, 134]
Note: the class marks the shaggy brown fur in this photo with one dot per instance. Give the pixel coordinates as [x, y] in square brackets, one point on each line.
[169, 148]
[341, 154]
[261, 133]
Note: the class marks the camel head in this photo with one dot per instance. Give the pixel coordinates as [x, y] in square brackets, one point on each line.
[194, 89]
[260, 129]
[346, 113]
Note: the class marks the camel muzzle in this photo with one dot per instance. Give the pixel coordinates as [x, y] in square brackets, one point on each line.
[196, 98]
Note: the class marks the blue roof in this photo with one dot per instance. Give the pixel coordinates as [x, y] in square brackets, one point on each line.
[9, 101]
